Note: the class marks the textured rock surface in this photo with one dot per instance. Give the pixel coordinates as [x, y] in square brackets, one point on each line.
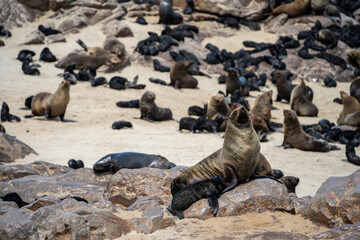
[12, 148]
[337, 201]
[117, 29]
[16, 224]
[248, 9]
[347, 231]
[35, 37]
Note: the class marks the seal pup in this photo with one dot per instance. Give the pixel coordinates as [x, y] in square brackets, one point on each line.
[51, 105]
[296, 137]
[210, 189]
[217, 106]
[300, 104]
[234, 82]
[353, 57]
[179, 76]
[167, 15]
[47, 56]
[150, 111]
[290, 183]
[236, 161]
[262, 106]
[121, 124]
[293, 9]
[350, 152]
[115, 161]
[283, 85]
[75, 164]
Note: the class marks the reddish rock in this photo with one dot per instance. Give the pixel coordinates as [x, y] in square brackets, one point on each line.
[347, 231]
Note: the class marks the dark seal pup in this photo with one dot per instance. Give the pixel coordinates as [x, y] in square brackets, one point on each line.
[210, 189]
[150, 111]
[296, 137]
[116, 161]
[167, 14]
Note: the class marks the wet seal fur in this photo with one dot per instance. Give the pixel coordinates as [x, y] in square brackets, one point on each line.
[51, 105]
[236, 161]
[300, 103]
[210, 189]
[179, 76]
[116, 161]
[150, 111]
[296, 137]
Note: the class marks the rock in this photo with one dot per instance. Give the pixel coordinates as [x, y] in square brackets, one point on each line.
[6, 206]
[16, 224]
[118, 13]
[256, 196]
[12, 149]
[292, 61]
[42, 202]
[87, 3]
[71, 219]
[100, 15]
[152, 219]
[35, 37]
[203, 17]
[128, 185]
[336, 202]
[275, 23]
[73, 22]
[55, 5]
[345, 76]
[146, 202]
[347, 231]
[55, 38]
[14, 14]
[117, 29]
[249, 9]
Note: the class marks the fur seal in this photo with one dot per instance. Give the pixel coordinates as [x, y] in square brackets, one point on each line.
[167, 15]
[121, 124]
[350, 104]
[179, 76]
[300, 104]
[116, 161]
[290, 182]
[150, 111]
[318, 6]
[351, 154]
[293, 9]
[236, 161]
[114, 46]
[217, 106]
[234, 82]
[353, 57]
[51, 105]
[355, 88]
[75, 164]
[295, 136]
[210, 189]
[262, 106]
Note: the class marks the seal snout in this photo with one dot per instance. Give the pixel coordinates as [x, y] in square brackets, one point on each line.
[242, 116]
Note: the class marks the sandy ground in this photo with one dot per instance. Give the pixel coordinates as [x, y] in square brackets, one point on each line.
[87, 134]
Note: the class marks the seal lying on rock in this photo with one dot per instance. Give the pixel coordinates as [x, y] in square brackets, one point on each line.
[236, 161]
[210, 189]
[116, 161]
[295, 136]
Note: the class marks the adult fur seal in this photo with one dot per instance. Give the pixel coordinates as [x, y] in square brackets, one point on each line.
[150, 111]
[236, 161]
[210, 189]
[300, 103]
[234, 82]
[293, 9]
[167, 14]
[116, 161]
[179, 76]
[355, 88]
[350, 114]
[113, 45]
[262, 106]
[217, 106]
[51, 105]
[296, 137]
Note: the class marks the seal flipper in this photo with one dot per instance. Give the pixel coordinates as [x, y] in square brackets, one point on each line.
[214, 205]
[230, 178]
[62, 117]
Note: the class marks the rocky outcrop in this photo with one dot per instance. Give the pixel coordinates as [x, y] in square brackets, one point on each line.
[35, 37]
[16, 224]
[336, 202]
[117, 29]
[347, 231]
[248, 9]
[12, 148]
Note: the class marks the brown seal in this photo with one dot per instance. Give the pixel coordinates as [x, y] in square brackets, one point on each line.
[350, 114]
[114, 46]
[283, 85]
[236, 161]
[353, 57]
[290, 182]
[262, 106]
[83, 59]
[355, 88]
[52, 105]
[180, 78]
[318, 6]
[217, 105]
[293, 9]
[150, 111]
[300, 103]
[295, 136]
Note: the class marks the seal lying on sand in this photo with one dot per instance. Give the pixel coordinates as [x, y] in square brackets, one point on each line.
[210, 189]
[295, 136]
[150, 111]
[51, 105]
[116, 161]
[236, 161]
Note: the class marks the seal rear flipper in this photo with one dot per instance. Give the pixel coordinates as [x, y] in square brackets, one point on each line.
[29, 116]
[214, 205]
[230, 178]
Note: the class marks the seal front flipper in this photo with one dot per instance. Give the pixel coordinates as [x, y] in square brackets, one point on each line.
[230, 178]
[214, 205]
